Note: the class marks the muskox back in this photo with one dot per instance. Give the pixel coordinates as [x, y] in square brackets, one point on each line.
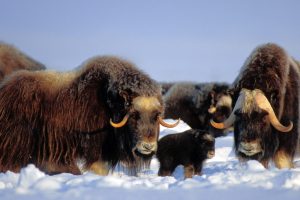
[11, 59]
[193, 102]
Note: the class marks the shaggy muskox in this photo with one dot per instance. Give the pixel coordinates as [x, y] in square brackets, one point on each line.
[197, 103]
[190, 149]
[11, 59]
[86, 120]
[266, 108]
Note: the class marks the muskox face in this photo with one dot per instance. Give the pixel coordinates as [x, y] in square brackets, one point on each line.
[143, 123]
[249, 131]
[211, 103]
[205, 144]
[138, 119]
[221, 107]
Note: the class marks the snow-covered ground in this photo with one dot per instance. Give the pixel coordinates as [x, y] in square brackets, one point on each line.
[223, 178]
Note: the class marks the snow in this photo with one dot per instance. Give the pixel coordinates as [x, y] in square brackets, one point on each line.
[223, 178]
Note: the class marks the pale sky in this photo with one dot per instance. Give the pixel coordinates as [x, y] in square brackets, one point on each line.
[170, 40]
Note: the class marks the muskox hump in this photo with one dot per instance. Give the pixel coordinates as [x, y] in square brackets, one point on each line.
[12, 59]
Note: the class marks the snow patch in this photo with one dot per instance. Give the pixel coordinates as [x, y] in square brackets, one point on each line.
[223, 177]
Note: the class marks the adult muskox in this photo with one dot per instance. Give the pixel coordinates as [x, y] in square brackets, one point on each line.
[87, 120]
[11, 59]
[197, 103]
[266, 111]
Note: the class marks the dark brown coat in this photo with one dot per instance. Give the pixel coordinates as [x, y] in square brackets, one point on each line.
[60, 121]
[11, 59]
[192, 102]
[190, 149]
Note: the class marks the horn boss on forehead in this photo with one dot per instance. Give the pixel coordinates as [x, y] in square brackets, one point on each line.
[259, 99]
[150, 104]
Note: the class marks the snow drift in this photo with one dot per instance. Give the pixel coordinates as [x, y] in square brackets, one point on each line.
[223, 178]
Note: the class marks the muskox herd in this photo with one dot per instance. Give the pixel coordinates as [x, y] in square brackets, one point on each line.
[108, 112]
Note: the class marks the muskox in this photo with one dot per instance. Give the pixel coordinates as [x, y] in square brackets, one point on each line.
[11, 59]
[266, 108]
[89, 119]
[190, 149]
[197, 103]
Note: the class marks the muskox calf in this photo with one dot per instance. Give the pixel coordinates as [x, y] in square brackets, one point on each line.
[197, 103]
[11, 59]
[266, 108]
[190, 149]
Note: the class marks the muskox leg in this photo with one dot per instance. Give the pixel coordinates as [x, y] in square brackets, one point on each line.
[164, 172]
[189, 171]
[100, 168]
[198, 169]
[166, 169]
[52, 168]
[265, 163]
[283, 160]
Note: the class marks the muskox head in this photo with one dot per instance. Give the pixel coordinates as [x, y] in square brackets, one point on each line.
[137, 119]
[204, 101]
[205, 144]
[253, 118]
[221, 101]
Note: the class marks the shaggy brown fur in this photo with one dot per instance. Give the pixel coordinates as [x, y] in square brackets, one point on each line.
[190, 149]
[270, 69]
[191, 102]
[11, 59]
[60, 121]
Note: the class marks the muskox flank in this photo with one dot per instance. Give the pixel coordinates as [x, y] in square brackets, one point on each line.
[197, 103]
[266, 107]
[86, 120]
[190, 149]
[11, 59]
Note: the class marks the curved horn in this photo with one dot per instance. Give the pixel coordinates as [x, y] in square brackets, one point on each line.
[229, 121]
[163, 123]
[264, 103]
[120, 124]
